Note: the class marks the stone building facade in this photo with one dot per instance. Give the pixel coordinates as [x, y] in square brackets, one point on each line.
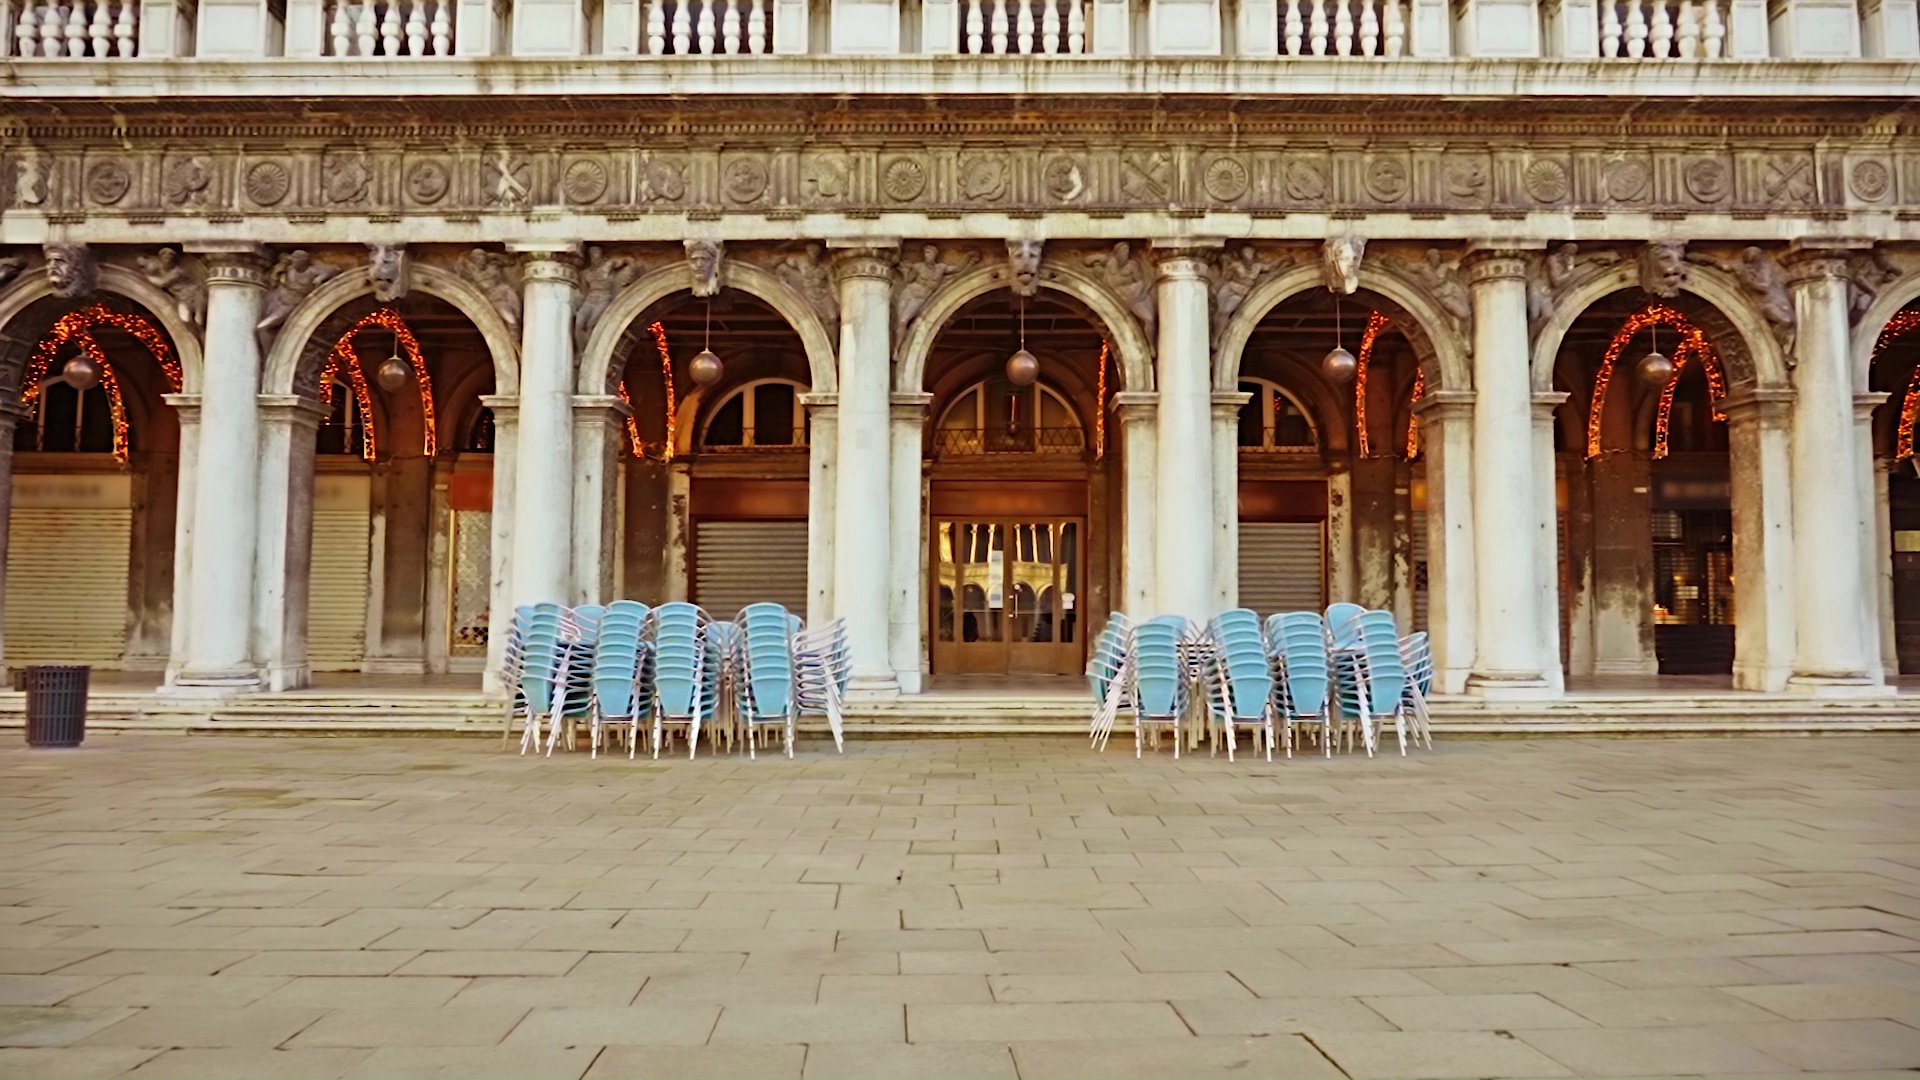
[386, 315]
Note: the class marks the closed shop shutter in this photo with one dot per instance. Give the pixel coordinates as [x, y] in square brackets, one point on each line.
[737, 563]
[337, 597]
[67, 585]
[1421, 572]
[1283, 566]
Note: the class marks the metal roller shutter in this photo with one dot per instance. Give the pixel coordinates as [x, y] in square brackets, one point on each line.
[67, 585]
[737, 563]
[1283, 566]
[337, 595]
[1418, 523]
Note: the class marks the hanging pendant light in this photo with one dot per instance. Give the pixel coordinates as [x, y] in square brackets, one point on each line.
[393, 371]
[1339, 365]
[1654, 370]
[1023, 368]
[80, 373]
[706, 367]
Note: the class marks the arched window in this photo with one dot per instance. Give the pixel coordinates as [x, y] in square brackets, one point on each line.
[1274, 420]
[68, 421]
[995, 417]
[760, 415]
[342, 432]
[479, 435]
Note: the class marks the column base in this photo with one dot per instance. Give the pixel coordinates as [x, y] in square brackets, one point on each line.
[1524, 687]
[286, 677]
[213, 684]
[1848, 686]
[911, 682]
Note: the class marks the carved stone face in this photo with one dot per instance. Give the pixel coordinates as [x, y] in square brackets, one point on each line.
[69, 270]
[1342, 261]
[703, 260]
[1023, 262]
[1663, 268]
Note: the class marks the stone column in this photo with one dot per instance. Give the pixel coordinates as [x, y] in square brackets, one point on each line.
[1136, 414]
[1342, 567]
[599, 425]
[1508, 618]
[863, 530]
[226, 490]
[823, 451]
[907, 595]
[1184, 542]
[9, 417]
[1876, 545]
[284, 557]
[1831, 652]
[186, 408]
[543, 458]
[1446, 440]
[506, 427]
[1547, 537]
[1226, 497]
[1763, 540]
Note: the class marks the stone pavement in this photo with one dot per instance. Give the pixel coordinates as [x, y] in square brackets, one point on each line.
[969, 907]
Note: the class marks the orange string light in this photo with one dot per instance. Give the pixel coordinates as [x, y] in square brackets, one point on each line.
[343, 357]
[1693, 342]
[659, 331]
[75, 327]
[1902, 323]
[634, 443]
[1413, 424]
[1376, 322]
[1100, 413]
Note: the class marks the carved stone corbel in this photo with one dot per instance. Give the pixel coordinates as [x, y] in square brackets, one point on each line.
[703, 265]
[71, 271]
[390, 271]
[1340, 258]
[1023, 265]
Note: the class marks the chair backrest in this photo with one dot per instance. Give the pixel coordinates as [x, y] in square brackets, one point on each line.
[1340, 623]
[766, 647]
[1416, 652]
[677, 632]
[1159, 677]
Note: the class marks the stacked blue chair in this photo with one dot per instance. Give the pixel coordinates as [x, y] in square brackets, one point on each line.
[763, 663]
[1416, 653]
[822, 665]
[1299, 643]
[544, 654]
[622, 677]
[1370, 678]
[1342, 629]
[1106, 676]
[685, 675]
[513, 660]
[723, 723]
[1159, 690]
[573, 683]
[1240, 682]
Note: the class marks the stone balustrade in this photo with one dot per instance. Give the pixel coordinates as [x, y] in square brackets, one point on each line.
[1664, 31]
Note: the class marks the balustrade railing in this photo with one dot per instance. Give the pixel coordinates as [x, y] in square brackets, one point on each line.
[1025, 27]
[81, 30]
[1343, 27]
[391, 28]
[1662, 30]
[967, 442]
[709, 27]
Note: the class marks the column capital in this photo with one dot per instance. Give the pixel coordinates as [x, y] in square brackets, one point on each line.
[819, 402]
[233, 263]
[1807, 264]
[559, 265]
[1768, 406]
[1134, 404]
[868, 260]
[609, 407]
[1444, 405]
[1495, 264]
[1184, 258]
[187, 405]
[909, 406]
[290, 409]
[1545, 401]
[1864, 404]
[1230, 400]
[504, 406]
[545, 247]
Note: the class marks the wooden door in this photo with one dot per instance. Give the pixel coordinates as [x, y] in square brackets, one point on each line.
[1005, 595]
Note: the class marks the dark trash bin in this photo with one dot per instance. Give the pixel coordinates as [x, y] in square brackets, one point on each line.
[57, 704]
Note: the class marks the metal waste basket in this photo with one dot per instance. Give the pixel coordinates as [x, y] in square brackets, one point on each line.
[57, 704]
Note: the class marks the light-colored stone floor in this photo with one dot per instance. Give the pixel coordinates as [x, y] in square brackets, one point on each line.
[988, 907]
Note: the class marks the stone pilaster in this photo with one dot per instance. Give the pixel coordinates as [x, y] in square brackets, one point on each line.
[907, 598]
[1226, 497]
[1136, 413]
[823, 452]
[1763, 542]
[1446, 440]
[506, 428]
[284, 556]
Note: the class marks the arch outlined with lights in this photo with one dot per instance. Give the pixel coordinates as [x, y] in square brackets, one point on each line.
[1693, 344]
[342, 357]
[76, 328]
[1903, 323]
[1376, 323]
